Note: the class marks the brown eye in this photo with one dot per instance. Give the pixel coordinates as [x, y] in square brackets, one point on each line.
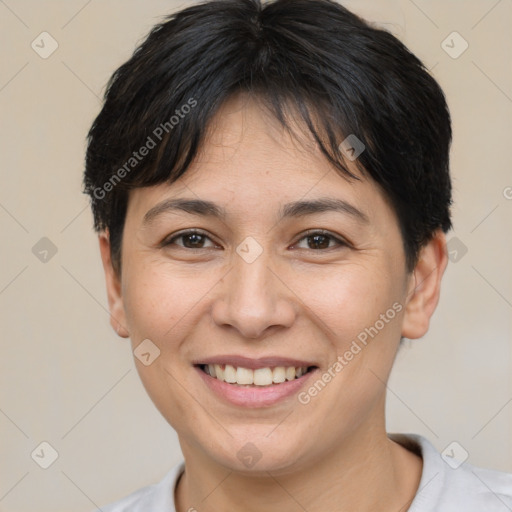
[190, 240]
[320, 240]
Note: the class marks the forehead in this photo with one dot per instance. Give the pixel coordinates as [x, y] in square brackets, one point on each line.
[250, 164]
[244, 127]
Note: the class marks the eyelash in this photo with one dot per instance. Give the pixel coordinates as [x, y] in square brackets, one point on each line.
[340, 242]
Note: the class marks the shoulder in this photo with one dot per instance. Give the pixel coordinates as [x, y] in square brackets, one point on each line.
[479, 488]
[158, 497]
[450, 484]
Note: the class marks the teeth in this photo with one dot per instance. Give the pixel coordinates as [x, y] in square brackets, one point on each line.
[279, 374]
[219, 372]
[260, 377]
[290, 373]
[230, 374]
[244, 376]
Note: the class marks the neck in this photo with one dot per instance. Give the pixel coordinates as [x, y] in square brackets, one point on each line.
[367, 472]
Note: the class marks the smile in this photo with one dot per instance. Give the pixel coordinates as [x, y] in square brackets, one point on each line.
[253, 383]
[266, 376]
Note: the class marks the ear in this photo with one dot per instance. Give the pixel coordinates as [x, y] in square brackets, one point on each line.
[425, 287]
[113, 282]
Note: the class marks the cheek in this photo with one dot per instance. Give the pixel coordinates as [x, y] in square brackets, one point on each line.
[166, 303]
[347, 298]
[155, 300]
[160, 307]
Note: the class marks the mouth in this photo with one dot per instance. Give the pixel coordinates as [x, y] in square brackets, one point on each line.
[254, 382]
[267, 376]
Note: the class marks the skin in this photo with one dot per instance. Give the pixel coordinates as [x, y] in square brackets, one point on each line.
[294, 300]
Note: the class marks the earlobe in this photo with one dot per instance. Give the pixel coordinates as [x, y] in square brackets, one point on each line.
[113, 284]
[425, 287]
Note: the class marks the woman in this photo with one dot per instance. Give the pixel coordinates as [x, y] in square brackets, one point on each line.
[270, 184]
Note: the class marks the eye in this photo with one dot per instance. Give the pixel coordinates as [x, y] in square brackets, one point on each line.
[320, 240]
[315, 239]
[192, 239]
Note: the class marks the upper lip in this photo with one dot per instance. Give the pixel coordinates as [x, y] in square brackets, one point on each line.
[254, 364]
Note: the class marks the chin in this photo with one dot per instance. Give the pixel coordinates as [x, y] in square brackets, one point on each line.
[259, 454]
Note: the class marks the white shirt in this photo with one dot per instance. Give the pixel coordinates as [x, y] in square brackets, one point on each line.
[442, 488]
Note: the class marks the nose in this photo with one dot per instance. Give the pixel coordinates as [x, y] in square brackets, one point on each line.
[253, 298]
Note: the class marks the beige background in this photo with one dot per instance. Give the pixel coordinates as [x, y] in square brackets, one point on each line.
[65, 376]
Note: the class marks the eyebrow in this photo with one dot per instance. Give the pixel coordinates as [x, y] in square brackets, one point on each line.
[289, 210]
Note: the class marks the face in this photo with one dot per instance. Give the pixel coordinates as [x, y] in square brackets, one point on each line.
[270, 287]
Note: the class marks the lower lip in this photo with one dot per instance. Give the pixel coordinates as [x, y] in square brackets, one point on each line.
[254, 396]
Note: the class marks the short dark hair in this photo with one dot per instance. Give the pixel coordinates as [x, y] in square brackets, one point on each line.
[339, 75]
